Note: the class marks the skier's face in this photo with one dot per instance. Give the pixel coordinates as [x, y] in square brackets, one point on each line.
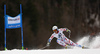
[55, 30]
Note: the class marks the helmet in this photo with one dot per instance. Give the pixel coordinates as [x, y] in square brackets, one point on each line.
[54, 27]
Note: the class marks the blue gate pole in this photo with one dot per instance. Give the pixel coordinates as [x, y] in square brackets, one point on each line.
[5, 25]
[21, 26]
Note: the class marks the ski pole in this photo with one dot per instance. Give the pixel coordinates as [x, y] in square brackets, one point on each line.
[69, 35]
[44, 47]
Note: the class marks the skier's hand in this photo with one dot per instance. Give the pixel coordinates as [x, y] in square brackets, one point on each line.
[48, 44]
[68, 31]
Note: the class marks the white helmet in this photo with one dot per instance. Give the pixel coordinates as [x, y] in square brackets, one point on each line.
[54, 27]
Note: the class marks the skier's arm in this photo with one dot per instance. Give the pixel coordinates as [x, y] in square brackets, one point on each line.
[66, 29]
[49, 40]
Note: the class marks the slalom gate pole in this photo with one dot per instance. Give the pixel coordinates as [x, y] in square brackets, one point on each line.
[21, 26]
[5, 26]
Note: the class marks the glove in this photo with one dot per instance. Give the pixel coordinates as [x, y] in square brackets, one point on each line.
[68, 31]
[48, 44]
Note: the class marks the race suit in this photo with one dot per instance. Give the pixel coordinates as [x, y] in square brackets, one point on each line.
[62, 39]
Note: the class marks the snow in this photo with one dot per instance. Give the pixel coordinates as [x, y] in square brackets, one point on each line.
[93, 43]
[94, 46]
[52, 51]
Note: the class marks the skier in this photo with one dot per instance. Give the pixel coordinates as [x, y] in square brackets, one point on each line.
[61, 38]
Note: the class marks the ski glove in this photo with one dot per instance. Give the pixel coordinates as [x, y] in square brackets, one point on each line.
[68, 31]
[48, 44]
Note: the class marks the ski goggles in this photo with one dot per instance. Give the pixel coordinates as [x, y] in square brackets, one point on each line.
[55, 30]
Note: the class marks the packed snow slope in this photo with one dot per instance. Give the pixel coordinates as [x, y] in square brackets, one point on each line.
[53, 51]
[92, 42]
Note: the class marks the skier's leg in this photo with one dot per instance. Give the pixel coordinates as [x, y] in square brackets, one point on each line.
[62, 43]
[68, 41]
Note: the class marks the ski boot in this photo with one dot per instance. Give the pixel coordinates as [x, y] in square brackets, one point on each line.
[82, 47]
[66, 46]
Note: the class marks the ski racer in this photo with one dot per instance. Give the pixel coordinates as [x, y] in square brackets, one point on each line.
[61, 38]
